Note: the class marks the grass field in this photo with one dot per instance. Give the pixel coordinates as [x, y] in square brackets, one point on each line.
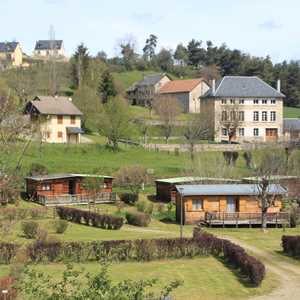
[291, 112]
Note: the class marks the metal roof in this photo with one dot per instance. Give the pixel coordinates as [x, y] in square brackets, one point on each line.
[291, 124]
[244, 86]
[150, 79]
[64, 175]
[48, 44]
[271, 178]
[228, 189]
[48, 105]
[74, 130]
[194, 179]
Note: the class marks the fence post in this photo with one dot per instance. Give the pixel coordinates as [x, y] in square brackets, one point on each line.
[276, 220]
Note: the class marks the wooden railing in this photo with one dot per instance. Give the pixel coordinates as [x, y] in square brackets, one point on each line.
[245, 218]
[104, 197]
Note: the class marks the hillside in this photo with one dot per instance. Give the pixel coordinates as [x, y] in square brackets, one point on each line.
[291, 112]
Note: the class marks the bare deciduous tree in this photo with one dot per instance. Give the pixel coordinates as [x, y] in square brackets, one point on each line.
[167, 108]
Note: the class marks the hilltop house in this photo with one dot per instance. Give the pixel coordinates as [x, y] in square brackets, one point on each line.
[186, 92]
[227, 204]
[47, 48]
[253, 107]
[143, 92]
[59, 120]
[11, 54]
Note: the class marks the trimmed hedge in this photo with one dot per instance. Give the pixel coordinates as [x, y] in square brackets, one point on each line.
[89, 218]
[138, 219]
[129, 198]
[291, 245]
[7, 252]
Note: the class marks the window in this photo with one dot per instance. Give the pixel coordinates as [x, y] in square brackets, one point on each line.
[264, 116]
[46, 187]
[273, 101]
[224, 131]
[73, 119]
[264, 101]
[59, 134]
[256, 132]
[232, 101]
[255, 116]
[224, 101]
[256, 101]
[59, 119]
[241, 115]
[232, 115]
[241, 101]
[241, 131]
[224, 115]
[273, 116]
[197, 204]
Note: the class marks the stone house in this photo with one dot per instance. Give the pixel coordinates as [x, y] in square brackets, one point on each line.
[11, 54]
[57, 118]
[47, 48]
[187, 93]
[291, 130]
[143, 92]
[254, 108]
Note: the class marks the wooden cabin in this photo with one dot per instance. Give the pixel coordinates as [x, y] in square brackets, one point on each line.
[227, 204]
[166, 188]
[63, 189]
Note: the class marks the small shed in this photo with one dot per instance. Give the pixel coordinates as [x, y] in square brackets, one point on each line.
[55, 189]
[227, 204]
[166, 188]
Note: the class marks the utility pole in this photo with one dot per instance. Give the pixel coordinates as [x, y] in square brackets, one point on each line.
[52, 63]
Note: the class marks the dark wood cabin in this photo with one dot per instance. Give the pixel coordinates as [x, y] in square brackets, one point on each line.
[166, 188]
[56, 189]
[227, 204]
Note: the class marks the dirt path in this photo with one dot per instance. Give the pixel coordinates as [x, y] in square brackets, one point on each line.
[287, 272]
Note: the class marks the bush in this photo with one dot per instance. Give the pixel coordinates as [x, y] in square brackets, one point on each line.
[7, 252]
[30, 229]
[37, 169]
[129, 198]
[42, 234]
[149, 209]
[291, 245]
[138, 219]
[141, 206]
[89, 218]
[60, 226]
[38, 213]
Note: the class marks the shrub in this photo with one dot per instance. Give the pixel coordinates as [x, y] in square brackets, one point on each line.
[38, 213]
[30, 229]
[10, 214]
[60, 226]
[129, 198]
[89, 218]
[22, 213]
[138, 219]
[7, 252]
[42, 234]
[37, 169]
[141, 206]
[291, 245]
[44, 251]
[149, 209]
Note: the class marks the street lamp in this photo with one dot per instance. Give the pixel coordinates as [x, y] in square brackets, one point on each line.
[181, 211]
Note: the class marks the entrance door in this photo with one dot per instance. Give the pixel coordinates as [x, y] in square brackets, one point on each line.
[231, 204]
[72, 187]
[271, 134]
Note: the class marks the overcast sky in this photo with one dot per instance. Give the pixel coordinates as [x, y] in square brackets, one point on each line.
[259, 27]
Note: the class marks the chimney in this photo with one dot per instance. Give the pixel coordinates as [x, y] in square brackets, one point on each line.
[278, 85]
[213, 87]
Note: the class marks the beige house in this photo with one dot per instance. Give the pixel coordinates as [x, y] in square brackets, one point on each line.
[143, 92]
[186, 92]
[11, 54]
[253, 107]
[59, 120]
[47, 48]
[291, 129]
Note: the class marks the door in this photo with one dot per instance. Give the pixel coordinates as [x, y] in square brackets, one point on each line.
[231, 204]
[72, 187]
[271, 134]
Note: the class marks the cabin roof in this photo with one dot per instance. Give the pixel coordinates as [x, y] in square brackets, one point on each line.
[180, 86]
[228, 189]
[193, 179]
[65, 175]
[271, 178]
[291, 124]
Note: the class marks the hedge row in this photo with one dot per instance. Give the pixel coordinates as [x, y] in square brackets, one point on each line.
[7, 252]
[89, 218]
[138, 219]
[236, 256]
[291, 245]
[13, 213]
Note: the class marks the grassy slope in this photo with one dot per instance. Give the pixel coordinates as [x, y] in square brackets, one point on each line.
[291, 112]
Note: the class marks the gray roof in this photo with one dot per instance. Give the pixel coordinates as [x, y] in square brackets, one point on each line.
[47, 44]
[188, 179]
[48, 105]
[228, 189]
[244, 86]
[74, 130]
[8, 46]
[291, 124]
[63, 176]
[150, 79]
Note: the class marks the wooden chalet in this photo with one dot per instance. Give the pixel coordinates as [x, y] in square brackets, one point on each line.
[69, 189]
[166, 188]
[227, 204]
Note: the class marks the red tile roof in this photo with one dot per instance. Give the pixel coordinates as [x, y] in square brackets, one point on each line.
[180, 86]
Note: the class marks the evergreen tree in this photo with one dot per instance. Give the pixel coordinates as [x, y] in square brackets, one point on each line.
[107, 87]
[196, 54]
[164, 60]
[150, 46]
[181, 55]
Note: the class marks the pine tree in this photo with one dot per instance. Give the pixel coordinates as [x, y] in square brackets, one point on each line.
[107, 87]
[149, 49]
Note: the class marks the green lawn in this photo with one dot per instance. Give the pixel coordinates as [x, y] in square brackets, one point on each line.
[291, 112]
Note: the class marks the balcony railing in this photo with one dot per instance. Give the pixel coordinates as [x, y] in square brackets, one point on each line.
[244, 218]
[104, 197]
